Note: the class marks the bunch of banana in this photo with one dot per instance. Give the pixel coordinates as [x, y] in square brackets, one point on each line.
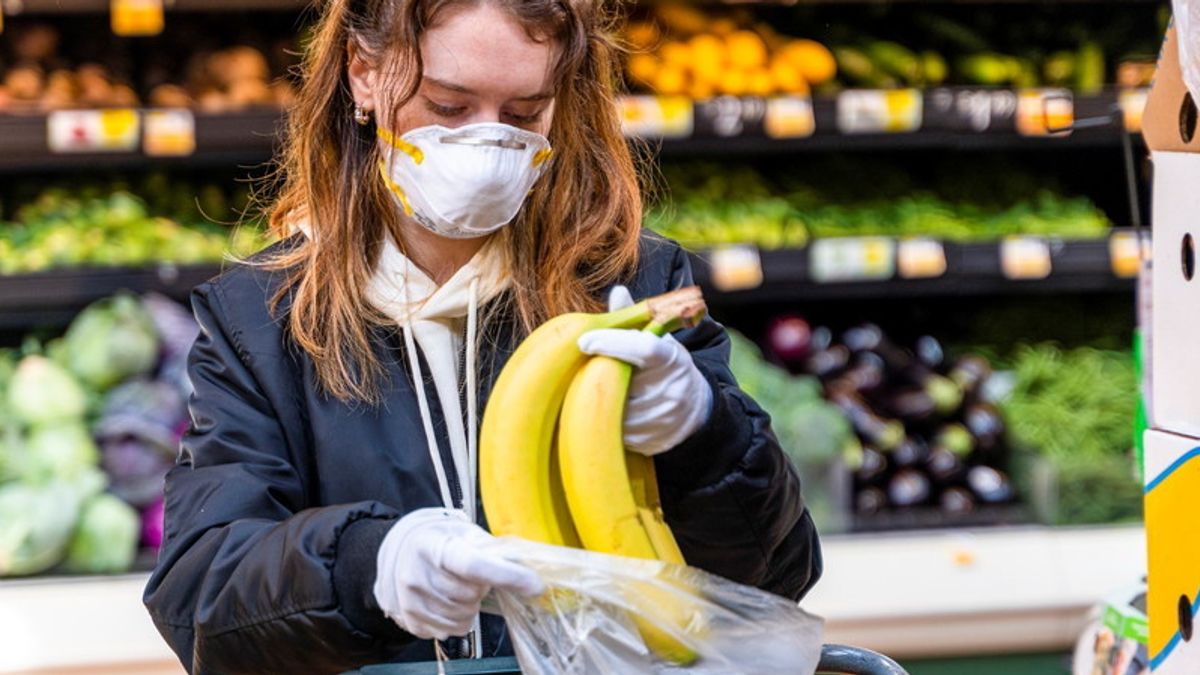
[553, 468]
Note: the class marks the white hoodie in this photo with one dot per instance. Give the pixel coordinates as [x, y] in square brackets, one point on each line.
[432, 318]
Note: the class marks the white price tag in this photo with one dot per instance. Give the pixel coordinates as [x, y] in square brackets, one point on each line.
[1041, 112]
[789, 117]
[852, 259]
[921, 259]
[657, 116]
[868, 111]
[1025, 258]
[169, 133]
[131, 18]
[1133, 104]
[1124, 253]
[113, 130]
[736, 268]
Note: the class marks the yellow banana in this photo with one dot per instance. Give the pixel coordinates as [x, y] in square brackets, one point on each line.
[613, 495]
[517, 435]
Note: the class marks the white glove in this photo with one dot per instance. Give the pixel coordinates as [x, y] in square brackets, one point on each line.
[433, 570]
[669, 399]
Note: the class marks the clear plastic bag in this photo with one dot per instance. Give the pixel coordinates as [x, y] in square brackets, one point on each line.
[1187, 26]
[608, 614]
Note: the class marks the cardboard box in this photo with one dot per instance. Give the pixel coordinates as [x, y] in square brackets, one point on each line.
[1172, 459]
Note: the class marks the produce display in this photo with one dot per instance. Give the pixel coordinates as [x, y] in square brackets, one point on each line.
[553, 406]
[40, 76]
[69, 228]
[101, 407]
[713, 204]
[680, 49]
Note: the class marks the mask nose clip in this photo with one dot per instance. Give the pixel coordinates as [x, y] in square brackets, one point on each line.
[483, 142]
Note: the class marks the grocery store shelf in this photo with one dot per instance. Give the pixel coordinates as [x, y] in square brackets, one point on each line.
[54, 297]
[924, 594]
[245, 138]
[976, 269]
[950, 119]
[41, 7]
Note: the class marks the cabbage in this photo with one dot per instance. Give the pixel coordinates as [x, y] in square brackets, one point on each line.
[111, 340]
[36, 521]
[40, 392]
[64, 450]
[106, 539]
[136, 469]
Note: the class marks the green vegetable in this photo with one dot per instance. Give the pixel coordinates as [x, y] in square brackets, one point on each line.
[42, 393]
[36, 522]
[113, 339]
[1089, 70]
[986, 69]
[1059, 68]
[106, 538]
[63, 450]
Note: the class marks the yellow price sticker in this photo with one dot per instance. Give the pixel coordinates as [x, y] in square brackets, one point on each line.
[113, 130]
[1042, 112]
[789, 117]
[169, 133]
[657, 116]
[132, 18]
[921, 259]
[736, 268]
[852, 259]
[1025, 258]
[1124, 253]
[868, 111]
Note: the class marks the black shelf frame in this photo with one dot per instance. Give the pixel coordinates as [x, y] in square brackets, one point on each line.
[51, 7]
[972, 270]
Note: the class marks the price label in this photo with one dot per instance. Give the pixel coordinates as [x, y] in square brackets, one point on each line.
[729, 116]
[973, 110]
[852, 259]
[1124, 253]
[862, 111]
[132, 18]
[736, 268]
[1025, 258]
[70, 131]
[921, 259]
[1042, 112]
[657, 116]
[1133, 104]
[790, 117]
[169, 133]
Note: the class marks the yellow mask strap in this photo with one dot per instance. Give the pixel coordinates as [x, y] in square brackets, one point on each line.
[396, 189]
[400, 144]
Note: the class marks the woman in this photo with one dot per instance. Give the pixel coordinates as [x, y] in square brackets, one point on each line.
[455, 175]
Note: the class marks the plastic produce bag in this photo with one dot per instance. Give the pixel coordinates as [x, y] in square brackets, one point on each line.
[1187, 22]
[609, 614]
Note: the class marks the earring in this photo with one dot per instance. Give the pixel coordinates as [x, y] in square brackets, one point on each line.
[362, 116]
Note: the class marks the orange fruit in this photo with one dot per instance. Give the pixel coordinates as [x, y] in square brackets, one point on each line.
[760, 83]
[734, 83]
[814, 61]
[746, 49]
[643, 67]
[670, 80]
[642, 35]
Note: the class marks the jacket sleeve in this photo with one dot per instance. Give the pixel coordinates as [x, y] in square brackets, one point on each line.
[730, 494]
[249, 579]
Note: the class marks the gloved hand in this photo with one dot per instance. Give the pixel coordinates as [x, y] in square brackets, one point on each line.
[669, 399]
[433, 570]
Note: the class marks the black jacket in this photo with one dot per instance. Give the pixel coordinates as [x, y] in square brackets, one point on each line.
[281, 495]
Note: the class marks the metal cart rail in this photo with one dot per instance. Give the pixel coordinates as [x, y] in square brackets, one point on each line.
[835, 660]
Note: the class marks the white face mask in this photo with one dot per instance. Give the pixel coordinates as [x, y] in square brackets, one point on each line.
[463, 183]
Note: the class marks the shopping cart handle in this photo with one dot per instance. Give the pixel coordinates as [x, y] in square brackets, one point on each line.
[844, 660]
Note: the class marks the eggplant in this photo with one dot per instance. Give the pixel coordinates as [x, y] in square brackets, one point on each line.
[930, 353]
[944, 466]
[870, 501]
[882, 433]
[865, 377]
[828, 363]
[790, 338]
[986, 424]
[907, 488]
[870, 338]
[989, 485]
[955, 438]
[970, 372]
[911, 452]
[873, 467]
[956, 501]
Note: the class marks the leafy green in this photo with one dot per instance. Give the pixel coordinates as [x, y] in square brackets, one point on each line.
[113, 339]
[106, 538]
[41, 392]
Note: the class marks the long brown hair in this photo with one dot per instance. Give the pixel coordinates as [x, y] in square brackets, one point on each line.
[577, 233]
